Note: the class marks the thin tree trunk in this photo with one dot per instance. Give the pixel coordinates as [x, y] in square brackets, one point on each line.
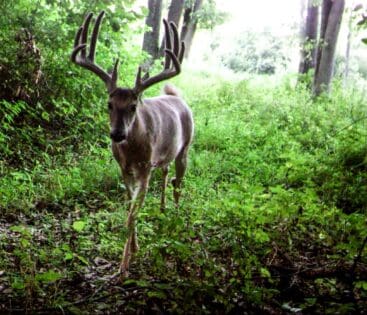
[153, 21]
[347, 58]
[302, 34]
[174, 14]
[189, 25]
[308, 52]
[347, 51]
[330, 26]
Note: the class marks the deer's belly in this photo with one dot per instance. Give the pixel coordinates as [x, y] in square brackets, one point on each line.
[164, 156]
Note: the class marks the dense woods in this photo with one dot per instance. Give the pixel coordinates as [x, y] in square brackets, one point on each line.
[272, 217]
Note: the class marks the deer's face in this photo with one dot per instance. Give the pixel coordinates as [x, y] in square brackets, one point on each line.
[122, 106]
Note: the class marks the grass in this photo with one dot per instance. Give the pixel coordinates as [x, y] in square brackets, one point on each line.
[275, 191]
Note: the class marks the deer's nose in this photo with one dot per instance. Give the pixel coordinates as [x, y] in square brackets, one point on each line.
[117, 136]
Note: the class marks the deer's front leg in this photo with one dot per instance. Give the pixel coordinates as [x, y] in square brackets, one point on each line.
[137, 200]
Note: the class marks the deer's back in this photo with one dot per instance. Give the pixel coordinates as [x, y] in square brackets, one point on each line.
[169, 124]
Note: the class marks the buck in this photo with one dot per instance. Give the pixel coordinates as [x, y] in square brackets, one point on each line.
[146, 133]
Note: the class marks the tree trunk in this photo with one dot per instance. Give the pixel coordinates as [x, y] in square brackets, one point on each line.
[174, 14]
[175, 11]
[302, 34]
[347, 51]
[330, 25]
[308, 52]
[153, 22]
[189, 25]
[325, 12]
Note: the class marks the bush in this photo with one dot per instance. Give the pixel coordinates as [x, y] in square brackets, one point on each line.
[261, 53]
[44, 95]
[274, 188]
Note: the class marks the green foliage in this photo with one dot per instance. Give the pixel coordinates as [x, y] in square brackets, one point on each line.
[210, 16]
[360, 13]
[275, 187]
[272, 179]
[261, 53]
[42, 93]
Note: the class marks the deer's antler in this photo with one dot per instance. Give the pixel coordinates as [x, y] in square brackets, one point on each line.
[174, 52]
[80, 57]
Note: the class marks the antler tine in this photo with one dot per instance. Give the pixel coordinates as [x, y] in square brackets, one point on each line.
[174, 53]
[138, 80]
[77, 37]
[168, 43]
[175, 61]
[176, 40]
[76, 51]
[94, 36]
[79, 53]
[84, 35]
[114, 74]
[182, 52]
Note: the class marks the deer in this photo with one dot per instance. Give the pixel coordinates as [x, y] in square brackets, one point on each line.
[145, 133]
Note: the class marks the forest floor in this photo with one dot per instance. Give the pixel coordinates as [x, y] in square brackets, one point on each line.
[272, 219]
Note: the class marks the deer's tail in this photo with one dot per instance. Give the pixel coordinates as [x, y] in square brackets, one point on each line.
[170, 89]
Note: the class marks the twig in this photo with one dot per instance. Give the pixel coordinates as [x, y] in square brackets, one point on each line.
[89, 298]
[347, 126]
[358, 257]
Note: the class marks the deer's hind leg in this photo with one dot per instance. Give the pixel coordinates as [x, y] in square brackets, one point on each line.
[164, 185]
[180, 165]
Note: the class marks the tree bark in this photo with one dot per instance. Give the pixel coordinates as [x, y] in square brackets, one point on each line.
[309, 37]
[347, 50]
[330, 25]
[153, 22]
[325, 12]
[174, 14]
[189, 25]
[175, 11]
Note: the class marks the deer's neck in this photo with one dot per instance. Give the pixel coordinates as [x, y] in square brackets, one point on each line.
[136, 131]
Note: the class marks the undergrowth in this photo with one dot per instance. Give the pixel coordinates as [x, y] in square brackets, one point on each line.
[272, 219]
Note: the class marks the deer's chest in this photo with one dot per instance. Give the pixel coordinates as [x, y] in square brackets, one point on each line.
[130, 157]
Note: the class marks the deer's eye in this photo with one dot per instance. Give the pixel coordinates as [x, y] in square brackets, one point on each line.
[109, 106]
[133, 108]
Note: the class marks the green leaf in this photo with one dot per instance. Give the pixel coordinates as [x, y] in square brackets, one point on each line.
[362, 285]
[129, 281]
[68, 256]
[24, 242]
[18, 284]
[265, 272]
[48, 276]
[20, 229]
[82, 259]
[45, 116]
[157, 294]
[310, 301]
[142, 283]
[79, 226]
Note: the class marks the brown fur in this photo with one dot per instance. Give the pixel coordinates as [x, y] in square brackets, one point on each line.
[160, 131]
[146, 134]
